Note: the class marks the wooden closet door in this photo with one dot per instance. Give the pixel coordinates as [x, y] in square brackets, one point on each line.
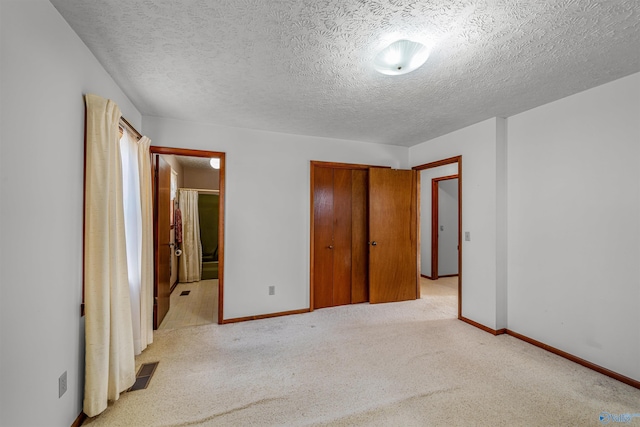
[359, 237]
[339, 236]
[323, 237]
[393, 260]
[342, 195]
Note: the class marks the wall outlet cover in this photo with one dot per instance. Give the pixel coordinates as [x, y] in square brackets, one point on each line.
[272, 290]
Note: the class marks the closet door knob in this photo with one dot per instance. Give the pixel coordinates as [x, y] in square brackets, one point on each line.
[330, 246]
[374, 243]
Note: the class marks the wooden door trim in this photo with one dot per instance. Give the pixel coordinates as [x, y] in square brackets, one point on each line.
[434, 229]
[154, 192]
[443, 162]
[222, 156]
[435, 220]
[312, 216]
[334, 165]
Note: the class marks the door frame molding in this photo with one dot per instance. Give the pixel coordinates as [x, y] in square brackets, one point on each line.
[208, 154]
[332, 165]
[443, 162]
[435, 219]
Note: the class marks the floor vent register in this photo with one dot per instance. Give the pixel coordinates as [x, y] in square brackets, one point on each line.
[144, 376]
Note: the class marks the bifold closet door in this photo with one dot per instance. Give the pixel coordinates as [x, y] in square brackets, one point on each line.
[359, 236]
[340, 258]
[342, 194]
[323, 237]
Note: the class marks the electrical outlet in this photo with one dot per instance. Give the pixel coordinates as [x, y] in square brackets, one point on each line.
[62, 384]
[467, 236]
[272, 290]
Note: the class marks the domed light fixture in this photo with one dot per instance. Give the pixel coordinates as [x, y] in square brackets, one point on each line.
[401, 57]
[215, 163]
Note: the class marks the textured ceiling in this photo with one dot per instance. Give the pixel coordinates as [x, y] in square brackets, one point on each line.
[188, 162]
[306, 66]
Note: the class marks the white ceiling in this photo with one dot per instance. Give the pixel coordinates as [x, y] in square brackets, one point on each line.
[189, 162]
[306, 66]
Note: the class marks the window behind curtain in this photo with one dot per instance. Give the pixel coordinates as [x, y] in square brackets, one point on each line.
[132, 226]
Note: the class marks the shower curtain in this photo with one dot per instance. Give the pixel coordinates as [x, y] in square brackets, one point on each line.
[191, 258]
[208, 206]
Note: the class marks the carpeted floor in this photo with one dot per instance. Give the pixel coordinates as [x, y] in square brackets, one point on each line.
[199, 307]
[400, 364]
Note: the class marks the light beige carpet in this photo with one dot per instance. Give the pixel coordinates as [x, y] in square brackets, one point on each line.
[399, 364]
[200, 307]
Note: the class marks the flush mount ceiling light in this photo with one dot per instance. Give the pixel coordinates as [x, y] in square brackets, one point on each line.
[215, 163]
[401, 57]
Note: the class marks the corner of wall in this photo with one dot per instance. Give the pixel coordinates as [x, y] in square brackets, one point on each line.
[501, 222]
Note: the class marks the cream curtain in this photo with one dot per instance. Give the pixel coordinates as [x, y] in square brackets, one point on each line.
[146, 263]
[109, 353]
[138, 219]
[191, 258]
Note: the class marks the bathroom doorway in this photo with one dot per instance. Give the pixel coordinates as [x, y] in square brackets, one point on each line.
[188, 236]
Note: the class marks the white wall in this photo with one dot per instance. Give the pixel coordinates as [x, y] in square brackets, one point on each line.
[574, 216]
[176, 166]
[573, 239]
[477, 145]
[448, 227]
[501, 223]
[426, 177]
[267, 205]
[45, 71]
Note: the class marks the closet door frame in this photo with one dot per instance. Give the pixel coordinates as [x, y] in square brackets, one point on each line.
[331, 165]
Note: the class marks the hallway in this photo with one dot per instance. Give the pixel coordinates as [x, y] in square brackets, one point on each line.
[198, 307]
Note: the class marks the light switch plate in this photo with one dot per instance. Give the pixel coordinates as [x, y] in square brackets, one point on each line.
[62, 384]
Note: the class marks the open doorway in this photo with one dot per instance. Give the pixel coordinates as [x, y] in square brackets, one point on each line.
[188, 236]
[440, 233]
[444, 226]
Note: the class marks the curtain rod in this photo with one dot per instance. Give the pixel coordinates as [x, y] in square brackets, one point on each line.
[203, 190]
[125, 124]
